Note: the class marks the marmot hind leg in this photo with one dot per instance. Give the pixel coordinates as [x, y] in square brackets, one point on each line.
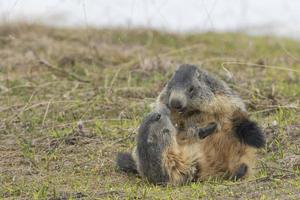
[242, 152]
[181, 168]
[241, 162]
[240, 172]
[126, 163]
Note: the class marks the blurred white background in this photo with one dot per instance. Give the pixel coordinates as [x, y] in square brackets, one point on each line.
[275, 17]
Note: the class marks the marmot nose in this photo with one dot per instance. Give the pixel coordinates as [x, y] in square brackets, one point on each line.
[176, 104]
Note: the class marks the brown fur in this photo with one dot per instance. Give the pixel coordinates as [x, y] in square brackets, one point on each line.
[221, 152]
[178, 166]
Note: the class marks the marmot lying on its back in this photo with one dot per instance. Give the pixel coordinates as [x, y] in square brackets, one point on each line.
[157, 156]
[197, 98]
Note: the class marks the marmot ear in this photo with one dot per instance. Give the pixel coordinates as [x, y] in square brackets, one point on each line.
[209, 81]
[177, 68]
[150, 139]
[198, 75]
[164, 96]
[163, 109]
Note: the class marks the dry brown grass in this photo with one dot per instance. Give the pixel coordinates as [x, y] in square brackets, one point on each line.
[72, 98]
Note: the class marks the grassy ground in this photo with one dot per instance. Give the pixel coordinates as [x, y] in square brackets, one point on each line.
[71, 99]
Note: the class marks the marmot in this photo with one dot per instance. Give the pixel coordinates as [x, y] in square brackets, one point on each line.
[157, 156]
[197, 98]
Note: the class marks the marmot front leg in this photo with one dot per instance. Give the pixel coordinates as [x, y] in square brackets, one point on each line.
[201, 133]
[206, 131]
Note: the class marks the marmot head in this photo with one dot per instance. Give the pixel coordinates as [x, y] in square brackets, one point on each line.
[189, 89]
[156, 130]
[156, 134]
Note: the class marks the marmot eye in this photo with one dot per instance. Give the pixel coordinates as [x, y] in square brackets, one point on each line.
[191, 89]
[166, 131]
[157, 117]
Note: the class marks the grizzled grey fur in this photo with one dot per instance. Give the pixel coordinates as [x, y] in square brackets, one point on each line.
[191, 87]
[154, 136]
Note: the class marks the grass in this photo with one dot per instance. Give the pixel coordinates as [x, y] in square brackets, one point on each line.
[72, 98]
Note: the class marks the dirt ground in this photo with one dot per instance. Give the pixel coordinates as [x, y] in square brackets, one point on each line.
[70, 99]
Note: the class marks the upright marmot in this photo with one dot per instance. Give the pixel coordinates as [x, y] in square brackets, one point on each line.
[196, 98]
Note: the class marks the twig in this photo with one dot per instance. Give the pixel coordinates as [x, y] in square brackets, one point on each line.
[284, 170]
[46, 112]
[108, 193]
[287, 52]
[271, 108]
[74, 76]
[247, 91]
[115, 77]
[183, 49]
[23, 109]
[46, 102]
[258, 65]
[84, 121]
